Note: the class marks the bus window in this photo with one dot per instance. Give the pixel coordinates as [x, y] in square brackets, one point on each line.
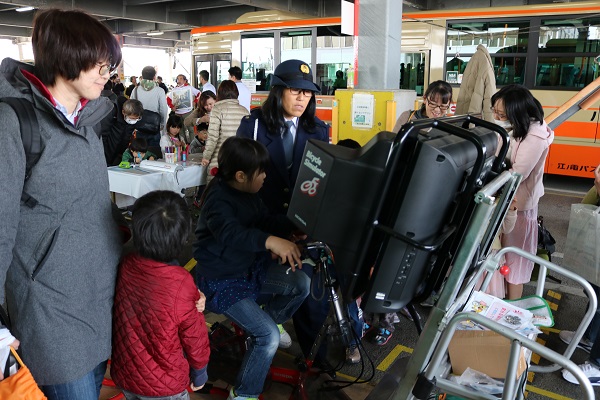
[509, 65]
[335, 53]
[258, 58]
[567, 48]
[464, 37]
[505, 41]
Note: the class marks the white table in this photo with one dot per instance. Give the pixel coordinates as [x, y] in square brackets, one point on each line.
[131, 184]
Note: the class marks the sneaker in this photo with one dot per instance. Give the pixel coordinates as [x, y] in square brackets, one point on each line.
[591, 371]
[233, 396]
[406, 314]
[285, 341]
[382, 337]
[353, 355]
[584, 344]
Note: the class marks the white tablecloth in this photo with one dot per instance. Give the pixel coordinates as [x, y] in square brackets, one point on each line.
[133, 183]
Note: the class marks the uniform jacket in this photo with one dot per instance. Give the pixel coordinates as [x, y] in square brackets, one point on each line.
[528, 158]
[279, 183]
[58, 260]
[224, 121]
[158, 332]
[478, 86]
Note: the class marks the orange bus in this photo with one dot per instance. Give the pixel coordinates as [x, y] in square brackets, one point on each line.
[549, 48]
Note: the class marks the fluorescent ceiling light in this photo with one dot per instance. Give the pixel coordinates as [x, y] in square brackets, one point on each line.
[24, 9]
[155, 33]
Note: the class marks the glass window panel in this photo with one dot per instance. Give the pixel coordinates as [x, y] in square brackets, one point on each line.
[574, 35]
[566, 72]
[457, 63]
[257, 58]
[463, 37]
[201, 65]
[222, 71]
[336, 55]
[296, 45]
[508, 69]
[412, 71]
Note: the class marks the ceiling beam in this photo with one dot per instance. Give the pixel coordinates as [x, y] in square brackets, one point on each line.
[13, 18]
[14, 31]
[194, 5]
[319, 8]
[217, 16]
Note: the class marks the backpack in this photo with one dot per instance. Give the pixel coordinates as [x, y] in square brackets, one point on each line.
[30, 136]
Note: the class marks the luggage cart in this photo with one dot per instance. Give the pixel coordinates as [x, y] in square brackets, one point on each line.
[429, 366]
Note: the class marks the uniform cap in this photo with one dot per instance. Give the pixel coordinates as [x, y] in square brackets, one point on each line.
[294, 74]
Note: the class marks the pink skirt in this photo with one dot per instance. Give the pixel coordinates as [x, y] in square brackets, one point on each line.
[524, 236]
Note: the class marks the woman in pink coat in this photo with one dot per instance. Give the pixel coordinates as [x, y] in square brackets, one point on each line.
[531, 139]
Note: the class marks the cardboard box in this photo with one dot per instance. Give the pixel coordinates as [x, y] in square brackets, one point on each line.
[483, 351]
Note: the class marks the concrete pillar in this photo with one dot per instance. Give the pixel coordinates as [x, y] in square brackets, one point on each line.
[377, 44]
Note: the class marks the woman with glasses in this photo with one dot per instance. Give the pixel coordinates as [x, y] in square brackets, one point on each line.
[291, 102]
[58, 258]
[514, 105]
[436, 102]
[284, 124]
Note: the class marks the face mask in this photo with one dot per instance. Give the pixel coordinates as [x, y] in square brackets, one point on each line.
[505, 124]
[131, 121]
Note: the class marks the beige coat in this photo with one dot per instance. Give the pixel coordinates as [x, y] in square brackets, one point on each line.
[225, 119]
[478, 86]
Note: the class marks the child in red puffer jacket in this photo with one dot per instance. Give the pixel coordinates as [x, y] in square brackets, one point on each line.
[160, 340]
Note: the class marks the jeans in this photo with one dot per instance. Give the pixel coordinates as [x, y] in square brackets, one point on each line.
[181, 396]
[310, 318]
[356, 322]
[85, 388]
[283, 292]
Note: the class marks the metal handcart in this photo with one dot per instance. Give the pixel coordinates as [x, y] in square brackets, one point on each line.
[429, 366]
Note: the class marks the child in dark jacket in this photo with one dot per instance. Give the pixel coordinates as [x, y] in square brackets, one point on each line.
[234, 238]
[160, 340]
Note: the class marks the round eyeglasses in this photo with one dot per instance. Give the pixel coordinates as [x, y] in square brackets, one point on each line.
[502, 116]
[104, 68]
[434, 105]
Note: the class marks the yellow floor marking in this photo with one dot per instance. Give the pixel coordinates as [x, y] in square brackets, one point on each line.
[389, 359]
[541, 341]
[553, 294]
[530, 376]
[535, 358]
[553, 330]
[553, 306]
[550, 395]
[346, 377]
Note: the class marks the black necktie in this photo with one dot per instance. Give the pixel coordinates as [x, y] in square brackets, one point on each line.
[288, 143]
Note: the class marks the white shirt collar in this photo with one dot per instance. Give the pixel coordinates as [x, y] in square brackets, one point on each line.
[71, 117]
